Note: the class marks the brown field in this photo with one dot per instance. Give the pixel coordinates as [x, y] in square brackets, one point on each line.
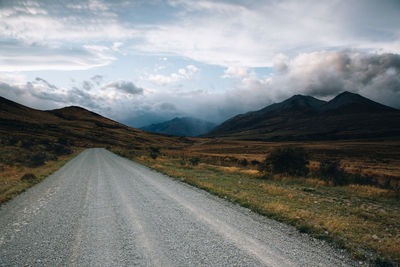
[11, 182]
[364, 219]
[378, 159]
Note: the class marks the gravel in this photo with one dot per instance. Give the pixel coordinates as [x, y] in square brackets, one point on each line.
[104, 210]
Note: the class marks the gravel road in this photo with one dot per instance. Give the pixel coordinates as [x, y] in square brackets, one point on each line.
[104, 210]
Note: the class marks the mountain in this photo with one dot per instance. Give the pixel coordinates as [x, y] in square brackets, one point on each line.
[350, 102]
[75, 124]
[347, 116]
[185, 126]
[296, 102]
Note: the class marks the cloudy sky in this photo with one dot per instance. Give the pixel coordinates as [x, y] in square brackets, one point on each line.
[145, 61]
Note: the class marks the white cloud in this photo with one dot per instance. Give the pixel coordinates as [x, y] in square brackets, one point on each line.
[230, 34]
[235, 72]
[224, 33]
[21, 57]
[36, 36]
[92, 5]
[192, 68]
[12, 78]
[43, 26]
[182, 74]
[158, 68]
[163, 79]
[116, 46]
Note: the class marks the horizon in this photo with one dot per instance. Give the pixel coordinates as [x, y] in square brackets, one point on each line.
[215, 123]
[141, 63]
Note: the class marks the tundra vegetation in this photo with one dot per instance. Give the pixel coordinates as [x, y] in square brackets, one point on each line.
[25, 161]
[346, 193]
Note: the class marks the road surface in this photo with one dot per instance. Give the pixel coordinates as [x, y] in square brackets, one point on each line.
[104, 210]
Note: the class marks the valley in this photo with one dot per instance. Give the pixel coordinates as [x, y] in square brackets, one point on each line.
[361, 215]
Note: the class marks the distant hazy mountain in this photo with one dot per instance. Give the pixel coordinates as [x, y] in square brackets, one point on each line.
[347, 116]
[185, 126]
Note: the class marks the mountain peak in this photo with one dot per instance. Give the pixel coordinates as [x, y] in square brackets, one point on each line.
[353, 97]
[298, 96]
[73, 113]
[348, 93]
[358, 103]
[295, 102]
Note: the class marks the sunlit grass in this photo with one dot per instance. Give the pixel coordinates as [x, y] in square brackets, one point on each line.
[363, 219]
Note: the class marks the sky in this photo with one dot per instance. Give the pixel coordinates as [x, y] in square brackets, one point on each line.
[147, 61]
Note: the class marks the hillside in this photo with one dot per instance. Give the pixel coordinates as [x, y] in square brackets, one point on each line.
[347, 116]
[74, 124]
[185, 126]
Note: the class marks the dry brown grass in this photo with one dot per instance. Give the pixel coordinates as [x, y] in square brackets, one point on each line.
[380, 158]
[363, 219]
[11, 184]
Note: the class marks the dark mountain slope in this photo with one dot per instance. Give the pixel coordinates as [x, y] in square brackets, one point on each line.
[80, 126]
[296, 102]
[347, 116]
[352, 103]
[270, 116]
[185, 126]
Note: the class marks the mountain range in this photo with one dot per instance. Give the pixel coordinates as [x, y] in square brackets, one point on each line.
[347, 116]
[185, 126]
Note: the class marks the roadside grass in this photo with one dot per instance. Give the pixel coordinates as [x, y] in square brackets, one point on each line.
[363, 219]
[11, 184]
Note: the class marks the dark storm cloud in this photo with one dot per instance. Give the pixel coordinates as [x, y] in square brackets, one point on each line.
[76, 95]
[9, 91]
[326, 74]
[44, 95]
[42, 92]
[49, 85]
[125, 87]
[322, 74]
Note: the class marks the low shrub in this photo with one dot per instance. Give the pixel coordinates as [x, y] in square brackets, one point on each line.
[12, 141]
[29, 177]
[38, 159]
[286, 160]
[61, 150]
[28, 143]
[330, 171]
[45, 141]
[153, 155]
[155, 149]
[63, 141]
[194, 161]
[243, 162]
